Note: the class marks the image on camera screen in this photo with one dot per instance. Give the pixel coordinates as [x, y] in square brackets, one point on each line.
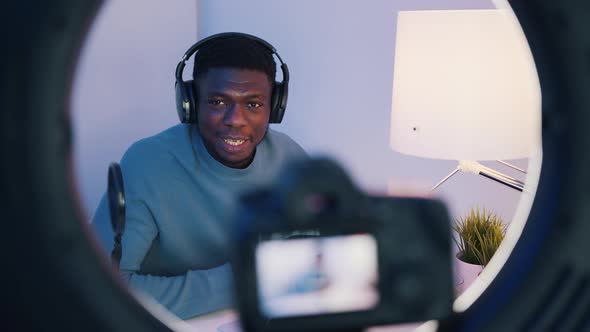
[320, 275]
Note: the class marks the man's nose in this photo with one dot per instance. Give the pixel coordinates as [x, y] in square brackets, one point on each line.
[235, 116]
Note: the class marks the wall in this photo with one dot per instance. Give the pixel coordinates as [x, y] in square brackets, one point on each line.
[340, 55]
[124, 85]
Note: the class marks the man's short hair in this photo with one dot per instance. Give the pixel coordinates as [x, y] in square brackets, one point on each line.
[234, 52]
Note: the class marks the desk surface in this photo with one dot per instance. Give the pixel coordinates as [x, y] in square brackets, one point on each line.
[228, 321]
[219, 321]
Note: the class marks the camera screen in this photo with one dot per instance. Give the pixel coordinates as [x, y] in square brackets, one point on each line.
[319, 275]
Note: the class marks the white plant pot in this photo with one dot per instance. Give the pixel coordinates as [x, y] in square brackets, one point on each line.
[465, 274]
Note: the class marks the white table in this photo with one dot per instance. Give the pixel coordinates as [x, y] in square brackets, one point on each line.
[227, 321]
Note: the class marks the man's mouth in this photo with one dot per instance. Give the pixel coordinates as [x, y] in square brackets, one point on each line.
[234, 141]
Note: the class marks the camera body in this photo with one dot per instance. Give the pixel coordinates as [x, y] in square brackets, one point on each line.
[314, 252]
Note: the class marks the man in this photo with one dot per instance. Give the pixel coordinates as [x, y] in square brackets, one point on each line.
[181, 185]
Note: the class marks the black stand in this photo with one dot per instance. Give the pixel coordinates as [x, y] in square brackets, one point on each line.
[116, 193]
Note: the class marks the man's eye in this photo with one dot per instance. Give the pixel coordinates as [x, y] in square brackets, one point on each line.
[254, 105]
[215, 102]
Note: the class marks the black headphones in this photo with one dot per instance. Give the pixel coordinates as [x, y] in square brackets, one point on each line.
[186, 101]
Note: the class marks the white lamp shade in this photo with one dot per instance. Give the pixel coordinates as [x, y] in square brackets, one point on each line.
[465, 87]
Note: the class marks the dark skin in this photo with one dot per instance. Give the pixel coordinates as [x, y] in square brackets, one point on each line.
[233, 109]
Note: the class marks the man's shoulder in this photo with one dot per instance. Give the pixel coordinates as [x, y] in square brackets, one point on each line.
[279, 141]
[162, 141]
[279, 138]
[156, 151]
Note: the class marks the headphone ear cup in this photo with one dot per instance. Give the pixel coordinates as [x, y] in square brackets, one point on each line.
[185, 102]
[279, 102]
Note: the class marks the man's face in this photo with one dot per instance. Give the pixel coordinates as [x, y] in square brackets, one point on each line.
[233, 110]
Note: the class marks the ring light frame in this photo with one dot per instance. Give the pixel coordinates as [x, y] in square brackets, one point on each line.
[54, 278]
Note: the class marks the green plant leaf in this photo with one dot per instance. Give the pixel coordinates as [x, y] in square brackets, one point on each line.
[480, 233]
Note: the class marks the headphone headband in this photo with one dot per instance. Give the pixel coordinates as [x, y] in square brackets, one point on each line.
[193, 49]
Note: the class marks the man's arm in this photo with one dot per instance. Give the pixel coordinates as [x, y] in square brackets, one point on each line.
[192, 293]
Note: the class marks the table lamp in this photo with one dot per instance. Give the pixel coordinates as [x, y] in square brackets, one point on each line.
[465, 88]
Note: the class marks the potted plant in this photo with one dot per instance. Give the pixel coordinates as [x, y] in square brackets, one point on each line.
[479, 235]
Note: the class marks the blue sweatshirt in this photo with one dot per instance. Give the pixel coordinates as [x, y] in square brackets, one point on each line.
[179, 205]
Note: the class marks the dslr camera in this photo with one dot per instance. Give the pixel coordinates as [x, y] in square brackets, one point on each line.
[313, 252]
